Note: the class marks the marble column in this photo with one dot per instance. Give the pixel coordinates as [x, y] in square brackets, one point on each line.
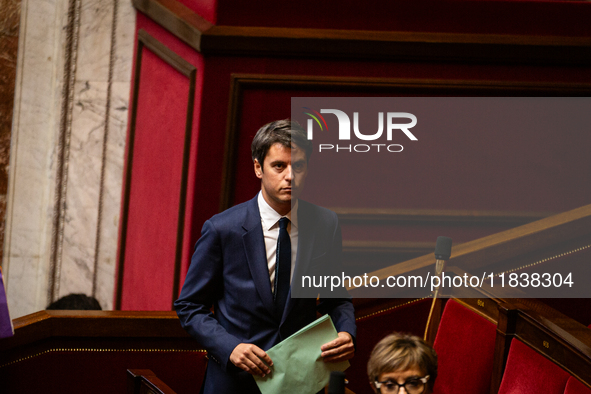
[9, 26]
[67, 150]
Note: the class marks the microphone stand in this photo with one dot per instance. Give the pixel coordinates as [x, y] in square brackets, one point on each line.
[442, 254]
[439, 267]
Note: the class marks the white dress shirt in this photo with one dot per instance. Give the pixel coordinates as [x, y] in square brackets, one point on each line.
[270, 222]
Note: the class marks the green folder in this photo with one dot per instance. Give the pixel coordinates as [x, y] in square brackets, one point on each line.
[297, 365]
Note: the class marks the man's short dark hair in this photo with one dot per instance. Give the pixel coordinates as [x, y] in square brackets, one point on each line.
[75, 302]
[285, 132]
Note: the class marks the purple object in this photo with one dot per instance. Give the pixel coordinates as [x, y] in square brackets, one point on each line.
[6, 329]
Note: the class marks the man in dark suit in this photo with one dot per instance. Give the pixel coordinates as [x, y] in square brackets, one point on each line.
[243, 263]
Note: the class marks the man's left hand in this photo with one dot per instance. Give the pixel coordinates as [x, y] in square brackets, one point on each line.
[340, 349]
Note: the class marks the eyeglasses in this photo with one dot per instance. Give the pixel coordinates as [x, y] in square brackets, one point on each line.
[411, 386]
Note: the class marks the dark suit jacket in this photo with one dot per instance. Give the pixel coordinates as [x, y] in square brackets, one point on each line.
[229, 272]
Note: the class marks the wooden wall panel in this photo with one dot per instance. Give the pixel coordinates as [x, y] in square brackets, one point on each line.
[463, 185]
[90, 351]
[253, 65]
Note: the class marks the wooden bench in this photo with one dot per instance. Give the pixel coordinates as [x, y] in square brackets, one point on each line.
[90, 351]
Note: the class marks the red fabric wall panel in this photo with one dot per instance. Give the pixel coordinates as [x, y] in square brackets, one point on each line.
[148, 268]
[196, 186]
[259, 107]
[155, 185]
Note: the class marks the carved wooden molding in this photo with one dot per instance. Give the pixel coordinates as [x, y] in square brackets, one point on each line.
[362, 44]
[387, 247]
[554, 232]
[564, 341]
[189, 71]
[439, 217]
[79, 331]
[146, 381]
[408, 85]
[364, 255]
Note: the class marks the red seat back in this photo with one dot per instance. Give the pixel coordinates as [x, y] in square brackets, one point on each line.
[528, 372]
[574, 386]
[465, 345]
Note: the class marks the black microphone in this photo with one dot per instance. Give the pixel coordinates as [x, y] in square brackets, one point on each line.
[336, 385]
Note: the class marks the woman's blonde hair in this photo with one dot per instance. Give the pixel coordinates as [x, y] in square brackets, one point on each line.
[399, 352]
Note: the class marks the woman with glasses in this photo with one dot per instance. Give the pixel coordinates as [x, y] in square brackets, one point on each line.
[402, 364]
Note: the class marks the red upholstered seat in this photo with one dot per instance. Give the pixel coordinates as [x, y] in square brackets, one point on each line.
[574, 386]
[527, 371]
[465, 345]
